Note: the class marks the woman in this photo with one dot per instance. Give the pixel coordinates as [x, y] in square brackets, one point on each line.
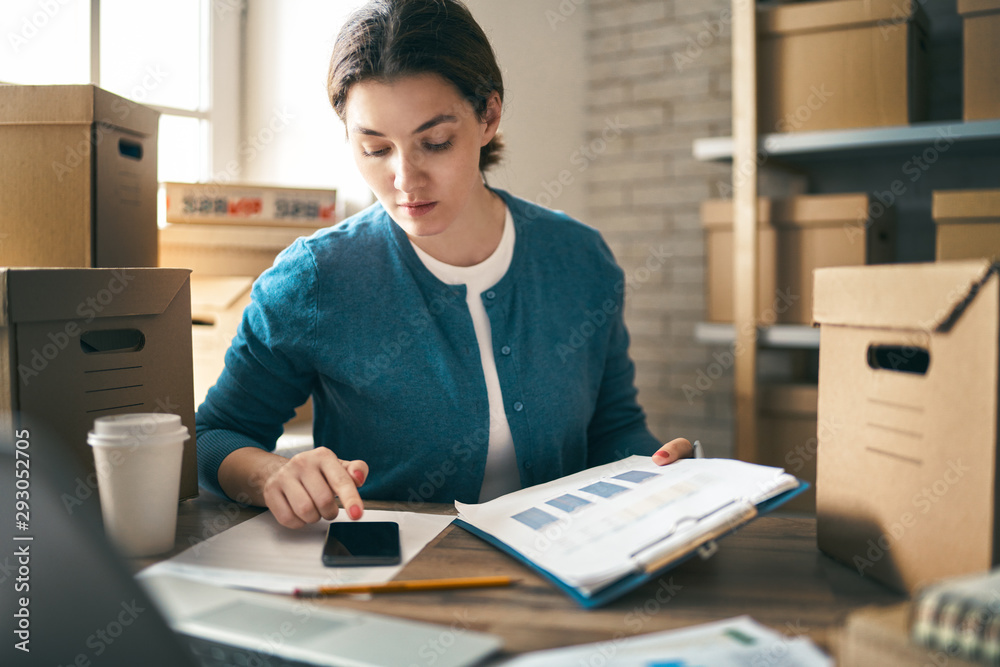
[434, 330]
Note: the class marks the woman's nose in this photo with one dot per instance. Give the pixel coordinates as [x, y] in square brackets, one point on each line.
[410, 174]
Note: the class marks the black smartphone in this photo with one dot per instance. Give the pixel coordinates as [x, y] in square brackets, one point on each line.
[351, 543]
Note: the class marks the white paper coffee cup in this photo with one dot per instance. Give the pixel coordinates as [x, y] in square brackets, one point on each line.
[138, 462]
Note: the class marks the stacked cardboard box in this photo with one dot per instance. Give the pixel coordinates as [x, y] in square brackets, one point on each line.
[787, 436]
[76, 344]
[968, 224]
[981, 19]
[228, 235]
[796, 236]
[841, 64]
[77, 178]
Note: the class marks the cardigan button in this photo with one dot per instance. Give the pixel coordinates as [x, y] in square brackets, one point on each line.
[491, 294]
[518, 406]
[505, 350]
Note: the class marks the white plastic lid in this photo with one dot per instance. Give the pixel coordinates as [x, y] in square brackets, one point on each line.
[137, 429]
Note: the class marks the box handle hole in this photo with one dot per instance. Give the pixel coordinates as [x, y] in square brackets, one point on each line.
[899, 358]
[111, 341]
[129, 148]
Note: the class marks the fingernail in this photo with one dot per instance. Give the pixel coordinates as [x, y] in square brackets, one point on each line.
[354, 511]
[662, 455]
[359, 476]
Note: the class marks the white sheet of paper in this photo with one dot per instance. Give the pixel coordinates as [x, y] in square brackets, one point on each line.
[735, 642]
[261, 554]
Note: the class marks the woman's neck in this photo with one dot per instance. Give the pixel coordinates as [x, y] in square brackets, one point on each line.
[471, 239]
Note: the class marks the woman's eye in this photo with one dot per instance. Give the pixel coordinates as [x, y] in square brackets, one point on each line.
[438, 147]
[378, 152]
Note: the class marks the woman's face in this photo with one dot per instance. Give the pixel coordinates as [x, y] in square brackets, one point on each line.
[416, 142]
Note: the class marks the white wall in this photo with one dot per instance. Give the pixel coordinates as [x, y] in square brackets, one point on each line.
[293, 137]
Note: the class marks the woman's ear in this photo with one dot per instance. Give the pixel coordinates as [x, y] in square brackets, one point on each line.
[491, 117]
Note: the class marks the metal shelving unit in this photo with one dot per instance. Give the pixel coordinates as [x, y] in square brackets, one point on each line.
[972, 138]
[885, 162]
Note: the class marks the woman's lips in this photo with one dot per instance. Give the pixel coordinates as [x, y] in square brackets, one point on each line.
[417, 209]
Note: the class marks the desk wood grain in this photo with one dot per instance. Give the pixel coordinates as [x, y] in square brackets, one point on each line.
[770, 570]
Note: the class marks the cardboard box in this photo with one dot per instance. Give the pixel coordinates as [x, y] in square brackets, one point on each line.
[225, 250]
[796, 236]
[226, 204]
[908, 381]
[77, 344]
[841, 64]
[217, 304]
[981, 44]
[876, 636]
[786, 427]
[77, 178]
[968, 224]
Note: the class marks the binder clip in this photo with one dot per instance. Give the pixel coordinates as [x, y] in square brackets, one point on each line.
[708, 549]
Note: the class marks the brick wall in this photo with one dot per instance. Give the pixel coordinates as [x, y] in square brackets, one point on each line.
[658, 78]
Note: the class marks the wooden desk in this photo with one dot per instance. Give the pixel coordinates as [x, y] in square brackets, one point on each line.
[770, 570]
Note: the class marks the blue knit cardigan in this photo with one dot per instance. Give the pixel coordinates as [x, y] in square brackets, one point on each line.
[351, 316]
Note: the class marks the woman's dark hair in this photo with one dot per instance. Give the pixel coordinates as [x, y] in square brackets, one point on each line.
[388, 39]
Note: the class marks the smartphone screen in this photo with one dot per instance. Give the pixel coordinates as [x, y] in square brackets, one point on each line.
[350, 543]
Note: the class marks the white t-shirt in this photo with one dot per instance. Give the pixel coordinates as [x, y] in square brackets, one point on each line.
[502, 475]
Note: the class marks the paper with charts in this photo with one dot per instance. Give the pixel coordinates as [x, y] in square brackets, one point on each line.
[592, 528]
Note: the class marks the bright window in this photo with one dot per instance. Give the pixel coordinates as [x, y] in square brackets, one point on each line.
[156, 53]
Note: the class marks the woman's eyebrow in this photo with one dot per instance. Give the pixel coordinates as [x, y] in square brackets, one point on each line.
[433, 122]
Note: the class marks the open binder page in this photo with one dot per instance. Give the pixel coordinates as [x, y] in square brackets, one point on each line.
[594, 527]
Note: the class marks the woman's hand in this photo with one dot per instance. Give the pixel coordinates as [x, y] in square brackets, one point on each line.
[675, 450]
[307, 487]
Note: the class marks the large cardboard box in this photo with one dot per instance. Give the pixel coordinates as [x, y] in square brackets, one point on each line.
[245, 204]
[908, 380]
[981, 44]
[968, 224]
[841, 64]
[796, 236]
[225, 250]
[217, 304]
[786, 427]
[77, 178]
[77, 344]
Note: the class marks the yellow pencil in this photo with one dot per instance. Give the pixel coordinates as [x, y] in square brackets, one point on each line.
[402, 586]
